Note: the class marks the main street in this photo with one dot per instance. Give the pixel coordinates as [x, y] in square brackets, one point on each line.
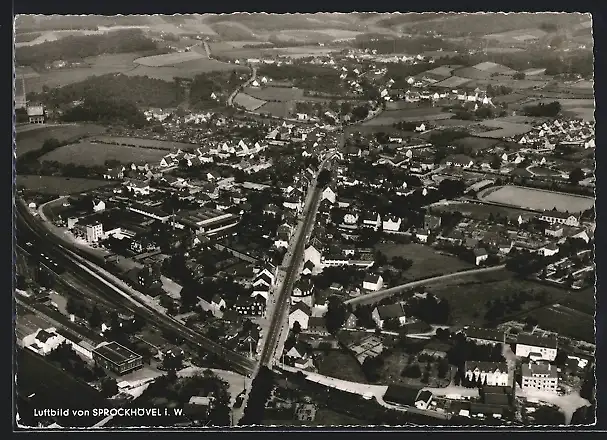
[91, 281]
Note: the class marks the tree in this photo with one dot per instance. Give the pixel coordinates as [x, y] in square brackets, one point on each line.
[392, 324]
[296, 327]
[496, 163]
[336, 314]
[95, 319]
[412, 371]
[443, 368]
[324, 177]
[109, 386]
[425, 377]
[172, 362]
[576, 175]
[519, 75]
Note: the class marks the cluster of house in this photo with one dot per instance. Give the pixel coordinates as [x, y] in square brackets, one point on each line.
[574, 132]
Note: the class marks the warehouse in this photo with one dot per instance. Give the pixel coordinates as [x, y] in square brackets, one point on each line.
[116, 358]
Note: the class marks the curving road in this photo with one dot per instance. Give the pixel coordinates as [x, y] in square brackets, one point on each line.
[246, 84]
[373, 297]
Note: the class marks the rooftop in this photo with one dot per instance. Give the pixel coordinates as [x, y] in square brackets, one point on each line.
[116, 353]
[536, 341]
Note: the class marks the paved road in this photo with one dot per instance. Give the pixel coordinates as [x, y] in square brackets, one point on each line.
[246, 84]
[96, 282]
[373, 297]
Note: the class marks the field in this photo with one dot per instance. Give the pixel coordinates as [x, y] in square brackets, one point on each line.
[535, 199]
[481, 212]
[517, 36]
[248, 101]
[454, 81]
[542, 171]
[579, 108]
[427, 262]
[476, 144]
[490, 67]
[275, 93]
[169, 59]
[186, 69]
[390, 117]
[278, 109]
[145, 143]
[341, 365]
[95, 154]
[568, 322]
[236, 51]
[33, 139]
[55, 185]
[503, 129]
[468, 298]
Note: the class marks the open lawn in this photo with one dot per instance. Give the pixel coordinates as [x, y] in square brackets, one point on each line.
[58, 185]
[517, 36]
[95, 154]
[280, 94]
[248, 101]
[427, 262]
[453, 81]
[566, 321]
[145, 143]
[390, 117]
[278, 109]
[476, 144]
[236, 51]
[169, 59]
[468, 298]
[482, 212]
[341, 365]
[186, 69]
[536, 199]
[30, 140]
[583, 301]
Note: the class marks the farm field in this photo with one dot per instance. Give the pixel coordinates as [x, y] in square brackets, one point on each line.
[476, 144]
[144, 143]
[427, 262]
[33, 139]
[169, 59]
[234, 51]
[248, 101]
[517, 36]
[275, 93]
[468, 298]
[56, 185]
[96, 154]
[536, 199]
[278, 109]
[186, 69]
[482, 212]
[503, 129]
[453, 81]
[566, 321]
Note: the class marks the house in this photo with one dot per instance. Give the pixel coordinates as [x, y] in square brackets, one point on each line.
[35, 114]
[541, 377]
[480, 255]
[141, 187]
[485, 336]
[303, 291]
[436, 349]
[391, 224]
[308, 268]
[312, 254]
[401, 395]
[563, 218]
[536, 347]
[218, 304]
[372, 221]
[554, 230]
[271, 209]
[329, 194]
[46, 341]
[115, 173]
[487, 373]
[351, 321]
[432, 222]
[393, 311]
[98, 205]
[317, 325]
[297, 351]
[460, 161]
[248, 306]
[301, 313]
[198, 406]
[423, 399]
[373, 282]
[549, 250]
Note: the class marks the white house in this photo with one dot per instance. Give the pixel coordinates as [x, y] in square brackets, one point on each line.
[329, 194]
[351, 218]
[312, 254]
[489, 373]
[549, 250]
[536, 347]
[301, 313]
[480, 255]
[46, 341]
[393, 311]
[98, 205]
[563, 218]
[373, 282]
[423, 399]
[540, 377]
[391, 224]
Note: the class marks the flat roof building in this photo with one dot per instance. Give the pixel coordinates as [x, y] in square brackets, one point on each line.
[116, 358]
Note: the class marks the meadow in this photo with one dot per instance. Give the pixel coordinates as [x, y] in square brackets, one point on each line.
[55, 185]
[32, 139]
[186, 69]
[390, 117]
[535, 199]
[482, 212]
[280, 94]
[145, 143]
[248, 101]
[278, 109]
[503, 129]
[96, 154]
[169, 59]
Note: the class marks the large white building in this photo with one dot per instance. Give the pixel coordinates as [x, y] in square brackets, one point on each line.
[561, 218]
[301, 313]
[536, 348]
[489, 373]
[94, 232]
[541, 377]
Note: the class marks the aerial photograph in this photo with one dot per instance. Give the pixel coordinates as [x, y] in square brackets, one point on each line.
[240, 220]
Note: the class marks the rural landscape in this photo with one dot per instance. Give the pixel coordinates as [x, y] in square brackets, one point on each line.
[305, 220]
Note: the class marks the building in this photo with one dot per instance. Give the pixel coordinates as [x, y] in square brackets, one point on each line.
[303, 291]
[28, 326]
[436, 349]
[480, 255]
[317, 325]
[35, 114]
[390, 224]
[308, 268]
[554, 230]
[301, 313]
[372, 221]
[562, 218]
[393, 311]
[138, 187]
[373, 282]
[116, 358]
[402, 395]
[313, 254]
[208, 222]
[485, 336]
[536, 347]
[248, 306]
[46, 341]
[198, 406]
[329, 194]
[423, 399]
[94, 232]
[549, 250]
[541, 377]
[488, 373]
[149, 211]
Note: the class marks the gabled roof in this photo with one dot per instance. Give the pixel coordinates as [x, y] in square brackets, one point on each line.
[536, 341]
[391, 311]
[372, 278]
[301, 306]
[486, 366]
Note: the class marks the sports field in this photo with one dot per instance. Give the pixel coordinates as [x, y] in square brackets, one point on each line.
[248, 101]
[280, 94]
[536, 199]
[96, 154]
[56, 185]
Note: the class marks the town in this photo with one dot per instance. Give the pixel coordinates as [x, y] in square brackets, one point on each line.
[370, 229]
